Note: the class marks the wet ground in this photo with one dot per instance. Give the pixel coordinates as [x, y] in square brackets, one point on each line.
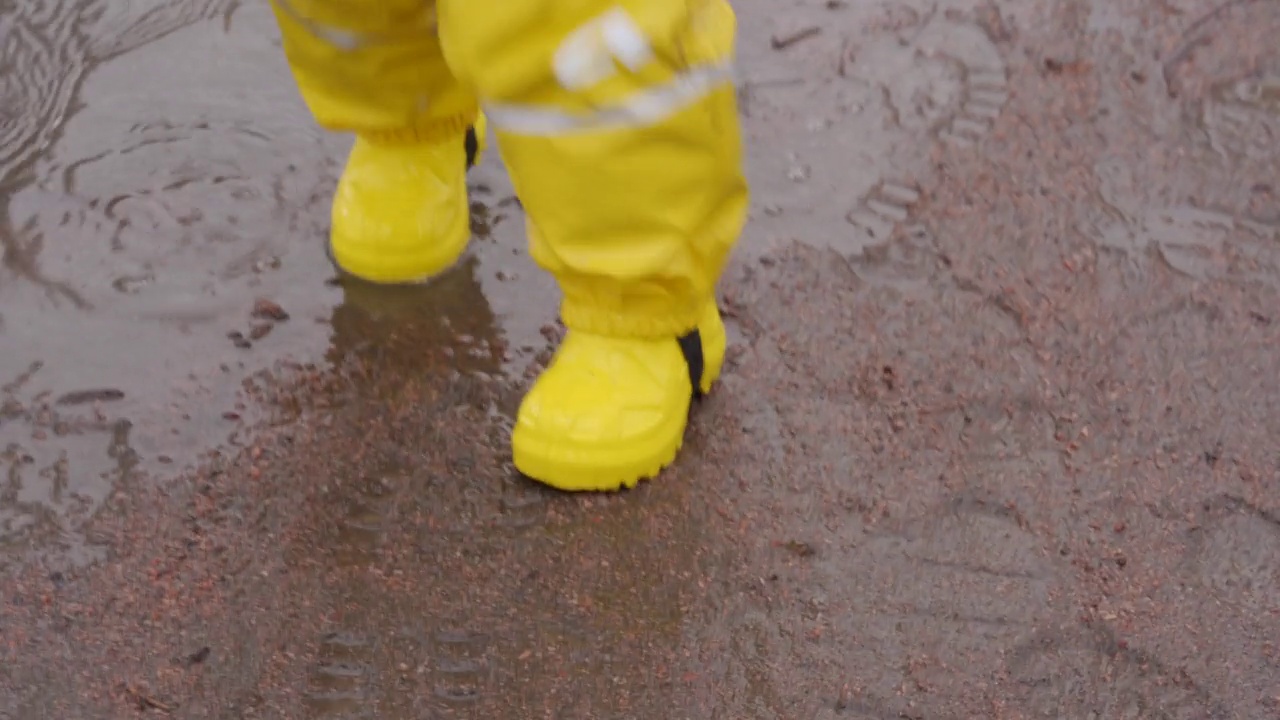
[998, 438]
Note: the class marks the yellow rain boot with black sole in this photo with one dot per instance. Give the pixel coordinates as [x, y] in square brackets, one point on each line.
[609, 412]
[401, 214]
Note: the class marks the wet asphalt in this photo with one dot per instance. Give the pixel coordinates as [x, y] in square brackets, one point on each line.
[997, 438]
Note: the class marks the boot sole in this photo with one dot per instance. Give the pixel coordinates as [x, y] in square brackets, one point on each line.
[575, 471]
[596, 469]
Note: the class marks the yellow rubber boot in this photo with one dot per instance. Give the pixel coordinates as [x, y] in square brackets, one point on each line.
[610, 412]
[401, 213]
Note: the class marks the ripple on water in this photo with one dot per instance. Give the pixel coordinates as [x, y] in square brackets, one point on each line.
[139, 240]
[48, 47]
[176, 220]
[42, 59]
[59, 462]
[137, 244]
[118, 26]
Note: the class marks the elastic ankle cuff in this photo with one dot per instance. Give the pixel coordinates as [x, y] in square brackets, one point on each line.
[435, 131]
[616, 322]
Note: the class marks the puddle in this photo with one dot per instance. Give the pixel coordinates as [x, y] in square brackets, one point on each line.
[431, 593]
[146, 222]
[144, 226]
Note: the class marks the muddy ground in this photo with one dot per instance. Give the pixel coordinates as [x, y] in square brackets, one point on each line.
[998, 438]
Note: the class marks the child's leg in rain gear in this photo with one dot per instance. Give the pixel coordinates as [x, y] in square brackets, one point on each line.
[374, 68]
[618, 122]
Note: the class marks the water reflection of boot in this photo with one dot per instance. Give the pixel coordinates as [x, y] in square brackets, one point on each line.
[445, 326]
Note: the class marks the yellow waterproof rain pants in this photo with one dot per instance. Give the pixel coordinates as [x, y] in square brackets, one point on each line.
[617, 120]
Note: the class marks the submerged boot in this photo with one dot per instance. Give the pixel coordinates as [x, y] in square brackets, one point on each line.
[400, 214]
[610, 412]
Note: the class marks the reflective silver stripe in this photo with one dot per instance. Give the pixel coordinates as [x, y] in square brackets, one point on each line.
[349, 41]
[643, 109]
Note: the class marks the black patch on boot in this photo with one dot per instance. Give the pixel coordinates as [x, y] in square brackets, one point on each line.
[691, 348]
[472, 144]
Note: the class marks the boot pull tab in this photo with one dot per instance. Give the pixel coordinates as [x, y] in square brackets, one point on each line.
[472, 144]
[691, 348]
